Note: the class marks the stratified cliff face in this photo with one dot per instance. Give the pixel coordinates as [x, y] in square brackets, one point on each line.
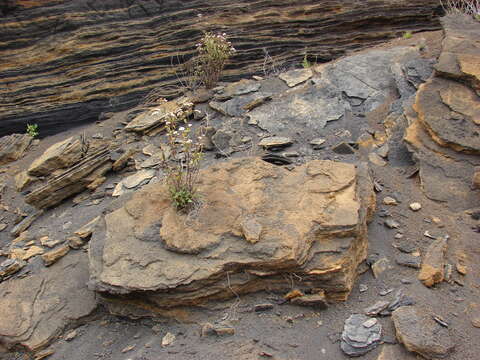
[63, 62]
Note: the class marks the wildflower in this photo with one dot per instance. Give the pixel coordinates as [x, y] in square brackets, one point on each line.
[181, 128]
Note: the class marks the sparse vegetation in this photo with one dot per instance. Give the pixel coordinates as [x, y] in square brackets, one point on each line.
[214, 50]
[32, 130]
[407, 35]
[307, 63]
[186, 155]
[468, 7]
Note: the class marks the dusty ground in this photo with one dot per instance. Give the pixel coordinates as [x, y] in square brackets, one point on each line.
[286, 331]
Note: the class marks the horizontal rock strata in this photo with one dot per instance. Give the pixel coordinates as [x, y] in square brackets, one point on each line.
[62, 64]
[258, 227]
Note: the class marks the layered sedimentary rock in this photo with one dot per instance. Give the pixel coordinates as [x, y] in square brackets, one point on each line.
[258, 227]
[66, 168]
[65, 62]
[444, 131]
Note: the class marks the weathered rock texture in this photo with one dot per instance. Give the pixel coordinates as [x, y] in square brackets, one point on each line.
[13, 147]
[259, 227]
[444, 131]
[67, 168]
[64, 62]
[36, 308]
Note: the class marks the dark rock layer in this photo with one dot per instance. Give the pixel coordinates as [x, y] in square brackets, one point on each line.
[65, 62]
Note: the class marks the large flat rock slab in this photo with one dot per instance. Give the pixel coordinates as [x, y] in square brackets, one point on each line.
[36, 308]
[257, 225]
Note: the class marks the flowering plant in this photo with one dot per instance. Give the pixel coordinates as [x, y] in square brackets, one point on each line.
[214, 51]
[186, 154]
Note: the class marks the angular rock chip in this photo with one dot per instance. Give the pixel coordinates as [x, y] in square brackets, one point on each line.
[275, 142]
[53, 256]
[295, 77]
[58, 156]
[432, 269]
[154, 119]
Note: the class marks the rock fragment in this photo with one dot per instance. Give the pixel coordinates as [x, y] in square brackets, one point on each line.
[53, 256]
[275, 142]
[360, 335]
[433, 264]
[295, 77]
[10, 267]
[417, 330]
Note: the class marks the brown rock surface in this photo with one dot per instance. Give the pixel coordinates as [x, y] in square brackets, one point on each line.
[36, 308]
[313, 223]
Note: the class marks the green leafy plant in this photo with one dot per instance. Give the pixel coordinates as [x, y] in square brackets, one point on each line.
[306, 63]
[32, 130]
[214, 50]
[407, 35]
[186, 154]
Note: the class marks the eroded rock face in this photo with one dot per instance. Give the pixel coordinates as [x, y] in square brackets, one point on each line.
[47, 44]
[257, 223]
[444, 129]
[36, 308]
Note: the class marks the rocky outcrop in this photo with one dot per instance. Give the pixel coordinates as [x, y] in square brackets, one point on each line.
[445, 119]
[36, 308]
[256, 226]
[66, 62]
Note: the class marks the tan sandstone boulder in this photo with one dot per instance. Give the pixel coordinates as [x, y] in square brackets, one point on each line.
[258, 227]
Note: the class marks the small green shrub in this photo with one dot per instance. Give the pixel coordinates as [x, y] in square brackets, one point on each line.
[407, 35]
[183, 168]
[32, 130]
[305, 63]
[214, 50]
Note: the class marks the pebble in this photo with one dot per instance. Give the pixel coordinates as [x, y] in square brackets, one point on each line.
[168, 339]
[392, 224]
[415, 206]
[263, 307]
[362, 288]
[388, 200]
